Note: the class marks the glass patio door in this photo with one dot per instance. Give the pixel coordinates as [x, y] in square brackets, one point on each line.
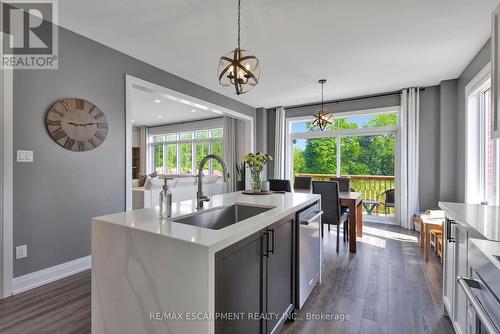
[360, 146]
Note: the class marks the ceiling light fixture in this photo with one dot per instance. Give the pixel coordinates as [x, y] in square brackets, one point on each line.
[239, 69]
[157, 101]
[322, 119]
[193, 110]
[160, 116]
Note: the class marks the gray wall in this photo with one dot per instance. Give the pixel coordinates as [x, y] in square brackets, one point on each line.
[448, 141]
[56, 196]
[475, 66]
[429, 147]
[1, 182]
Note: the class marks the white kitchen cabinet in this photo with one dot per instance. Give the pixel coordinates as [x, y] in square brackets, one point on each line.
[455, 263]
[448, 268]
[462, 269]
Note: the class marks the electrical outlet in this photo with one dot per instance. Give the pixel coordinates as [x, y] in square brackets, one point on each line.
[21, 251]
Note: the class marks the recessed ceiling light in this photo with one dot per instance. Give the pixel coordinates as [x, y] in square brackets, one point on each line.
[133, 121]
[160, 116]
[193, 110]
[157, 101]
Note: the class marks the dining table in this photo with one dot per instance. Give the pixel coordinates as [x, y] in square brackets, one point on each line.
[354, 201]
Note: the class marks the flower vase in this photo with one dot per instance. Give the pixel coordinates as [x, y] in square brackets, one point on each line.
[256, 180]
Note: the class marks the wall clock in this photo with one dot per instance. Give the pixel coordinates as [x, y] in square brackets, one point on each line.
[77, 124]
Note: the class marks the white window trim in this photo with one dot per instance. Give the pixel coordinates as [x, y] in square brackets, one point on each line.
[194, 170]
[475, 188]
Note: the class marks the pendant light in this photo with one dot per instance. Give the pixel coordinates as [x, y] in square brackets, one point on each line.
[239, 70]
[322, 119]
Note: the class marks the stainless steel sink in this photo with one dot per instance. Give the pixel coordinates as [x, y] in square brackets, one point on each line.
[222, 217]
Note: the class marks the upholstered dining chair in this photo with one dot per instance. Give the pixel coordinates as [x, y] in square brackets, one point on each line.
[280, 185]
[330, 204]
[302, 182]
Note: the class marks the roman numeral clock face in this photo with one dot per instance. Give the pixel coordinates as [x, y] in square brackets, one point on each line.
[77, 125]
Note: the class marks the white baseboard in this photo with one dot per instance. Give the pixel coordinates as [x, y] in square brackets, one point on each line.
[48, 275]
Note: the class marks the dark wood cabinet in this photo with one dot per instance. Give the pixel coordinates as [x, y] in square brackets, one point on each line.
[280, 273]
[256, 276]
[239, 270]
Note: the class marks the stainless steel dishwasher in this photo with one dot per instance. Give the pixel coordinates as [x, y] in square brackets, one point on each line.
[309, 252]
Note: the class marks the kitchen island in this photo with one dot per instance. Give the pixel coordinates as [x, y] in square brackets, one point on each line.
[161, 276]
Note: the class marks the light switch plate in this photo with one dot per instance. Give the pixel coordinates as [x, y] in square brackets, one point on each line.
[24, 156]
[21, 251]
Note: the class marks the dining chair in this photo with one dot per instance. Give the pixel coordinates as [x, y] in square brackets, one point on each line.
[330, 204]
[389, 199]
[302, 182]
[344, 183]
[280, 185]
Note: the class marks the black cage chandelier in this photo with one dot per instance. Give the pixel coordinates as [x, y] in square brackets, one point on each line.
[239, 70]
[322, 119]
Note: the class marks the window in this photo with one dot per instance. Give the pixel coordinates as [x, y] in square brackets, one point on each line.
[361, 146]
[181, 153]
[482, 152]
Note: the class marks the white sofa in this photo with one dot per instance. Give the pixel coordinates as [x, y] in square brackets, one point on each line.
[182, 188]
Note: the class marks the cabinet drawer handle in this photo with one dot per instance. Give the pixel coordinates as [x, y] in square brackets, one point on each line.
[265, 251]
[449, 222]
[273, 240]
[310, 220]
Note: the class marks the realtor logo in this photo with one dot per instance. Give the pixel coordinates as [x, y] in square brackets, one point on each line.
[29, 34]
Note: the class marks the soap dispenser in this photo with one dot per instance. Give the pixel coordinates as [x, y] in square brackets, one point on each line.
[165, 202]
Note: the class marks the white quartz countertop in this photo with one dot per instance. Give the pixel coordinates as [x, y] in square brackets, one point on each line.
[482, 219]
[148, 219]
[491, 249]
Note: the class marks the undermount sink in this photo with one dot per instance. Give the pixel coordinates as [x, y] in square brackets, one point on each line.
[219, 218]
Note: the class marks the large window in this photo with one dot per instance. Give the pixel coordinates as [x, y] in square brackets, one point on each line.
[181, 153]
[362, 146]
[482, 152]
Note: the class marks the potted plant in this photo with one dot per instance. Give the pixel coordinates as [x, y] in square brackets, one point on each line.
[241, 172]
[256, 163]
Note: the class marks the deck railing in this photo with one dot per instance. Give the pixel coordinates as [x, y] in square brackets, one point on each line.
[372, 186]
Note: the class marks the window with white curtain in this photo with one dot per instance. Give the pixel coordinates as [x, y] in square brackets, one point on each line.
[482, 152]
[181, 153]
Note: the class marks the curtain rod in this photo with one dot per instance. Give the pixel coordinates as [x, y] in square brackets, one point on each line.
[180, 123]
[365, 97]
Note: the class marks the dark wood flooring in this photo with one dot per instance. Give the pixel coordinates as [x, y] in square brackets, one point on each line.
[386, 287]
[57, 308]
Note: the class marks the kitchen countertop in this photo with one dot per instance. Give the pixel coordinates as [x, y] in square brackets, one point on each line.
[148, 219]
[482, 219]
[490, 249]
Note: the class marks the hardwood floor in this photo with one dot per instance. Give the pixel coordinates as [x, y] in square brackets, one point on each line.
[57, 308]
[386, 287]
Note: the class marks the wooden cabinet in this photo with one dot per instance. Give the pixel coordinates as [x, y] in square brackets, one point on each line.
[256, 276]
[448, 267]
[280, 273]
[455, 264]
[239, 287]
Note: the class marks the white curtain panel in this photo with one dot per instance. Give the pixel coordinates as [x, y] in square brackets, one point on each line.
[279, 149]
[144, 151]
[408, 163]
[229, 140]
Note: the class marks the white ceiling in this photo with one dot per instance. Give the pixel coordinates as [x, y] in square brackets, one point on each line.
[146, 111]
[361, 47]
